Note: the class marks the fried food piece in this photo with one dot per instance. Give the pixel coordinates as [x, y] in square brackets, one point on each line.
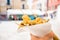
[44, 20]
[26, 17]
[21, 25]
[39, 22]
[33, 22]
[38, 19]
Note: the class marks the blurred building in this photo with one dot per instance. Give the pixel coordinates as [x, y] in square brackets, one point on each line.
[19, 4]
[52, 4]
[12, 4]
[3, 6]
[42, 5]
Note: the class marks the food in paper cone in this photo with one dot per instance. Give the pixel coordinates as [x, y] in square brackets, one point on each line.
[38, 27]
[40, 30]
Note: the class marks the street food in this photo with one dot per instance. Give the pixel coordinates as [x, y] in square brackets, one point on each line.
[28, 22]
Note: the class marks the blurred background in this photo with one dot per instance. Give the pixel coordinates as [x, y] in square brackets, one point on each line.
[44, 6]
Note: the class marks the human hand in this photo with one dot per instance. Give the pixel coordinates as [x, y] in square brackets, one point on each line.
[46, 37]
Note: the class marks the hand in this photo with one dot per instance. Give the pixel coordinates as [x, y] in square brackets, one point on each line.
[46, 37]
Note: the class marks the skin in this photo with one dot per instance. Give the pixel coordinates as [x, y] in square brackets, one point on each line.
[46, 37]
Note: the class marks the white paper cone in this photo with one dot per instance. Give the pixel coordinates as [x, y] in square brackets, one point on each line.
[40, 30]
